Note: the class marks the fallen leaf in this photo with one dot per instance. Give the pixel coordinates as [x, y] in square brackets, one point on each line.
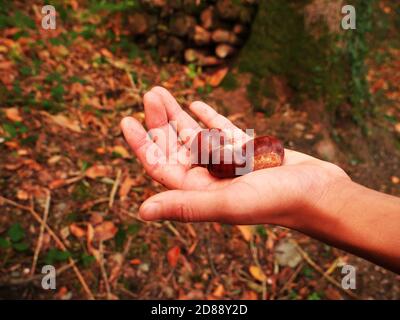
[397, 127]
[198, 83]
[13, 114]
[121, 151]
[135, 262]
[106, 53]
[219, 291]
[257, 273]
[126, 186]
[116, 261]
[333, 294]
[247, 232]
[98, 171]
[5, 65]
[57, 183]
[65, 122]
[77, 231]
[216, 78]
[54, 159]
[105, 231]
[173, 256]
[96, 218]
[22, 195]
[250, 295]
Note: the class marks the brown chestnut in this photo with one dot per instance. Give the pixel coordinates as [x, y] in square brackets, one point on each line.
[260, 153]
[204, 143]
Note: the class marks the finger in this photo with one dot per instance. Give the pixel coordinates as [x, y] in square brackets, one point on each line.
[150, 154]
[186, 126]
[156, 119]
[185, 206]
[212, 119]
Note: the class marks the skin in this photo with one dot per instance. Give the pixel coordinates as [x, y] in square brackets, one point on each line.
[306, 194]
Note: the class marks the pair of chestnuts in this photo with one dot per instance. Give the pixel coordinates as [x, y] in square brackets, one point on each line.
[215, 150]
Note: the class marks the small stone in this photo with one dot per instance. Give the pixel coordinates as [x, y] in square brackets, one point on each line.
[224, 50]
[300, 126]
[395, 180]
[201, 36]
[286, 254]
[182, 25]
[138, 23]
[238, 29]
[192, 55]
[224, 36]
[397, 127]
[207, 17]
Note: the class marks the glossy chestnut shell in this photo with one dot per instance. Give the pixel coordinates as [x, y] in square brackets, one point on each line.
[260, 153]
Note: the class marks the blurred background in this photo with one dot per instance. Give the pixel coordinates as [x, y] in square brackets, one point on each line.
[70, 188]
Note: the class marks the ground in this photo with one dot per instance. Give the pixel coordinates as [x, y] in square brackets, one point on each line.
[62, 98]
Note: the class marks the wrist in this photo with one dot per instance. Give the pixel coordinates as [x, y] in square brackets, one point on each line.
[325, 207]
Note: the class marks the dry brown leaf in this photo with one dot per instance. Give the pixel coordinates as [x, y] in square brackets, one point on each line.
[105, 231]
[219, 291]
[77, 231]
[121, 151]
[247, 232]
[249, 295]
[216, 78]
[13, 114]
[98, 171]
[65, 122]
[5, 65]
[126, 186]
[89, 239]
[106, 53]
[57, 183]
[135, 262]
[257, 273]
[397, 127]
[96, 218]
[173, 256]
[54, 159]
[22, 195]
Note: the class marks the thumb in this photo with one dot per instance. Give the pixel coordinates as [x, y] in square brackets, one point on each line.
[185, 206]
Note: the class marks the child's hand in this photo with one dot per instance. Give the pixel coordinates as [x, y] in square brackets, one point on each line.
[272, 195]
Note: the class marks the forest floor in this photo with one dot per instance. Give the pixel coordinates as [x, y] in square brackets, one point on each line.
[70, 187]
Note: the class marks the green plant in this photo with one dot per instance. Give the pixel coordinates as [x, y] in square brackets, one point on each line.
[56, 255]
[15, 239]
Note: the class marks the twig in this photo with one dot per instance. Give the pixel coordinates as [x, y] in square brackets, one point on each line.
[131, 82]
[103, 270]
[291, 279]
[56, 239]
[42, 227]
[23, 281]
[307, 258]
[114, 189]
[209, 253]
[127, 292]
[175, 232]
[88, 205]
[257, 263]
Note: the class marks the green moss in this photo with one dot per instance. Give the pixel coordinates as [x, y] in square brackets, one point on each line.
[280, 45]
[229, 82]
[326, 66]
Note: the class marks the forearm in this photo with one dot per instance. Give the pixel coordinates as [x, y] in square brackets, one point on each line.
[356, 219]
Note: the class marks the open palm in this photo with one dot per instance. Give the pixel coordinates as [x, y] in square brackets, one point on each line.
[256, 197]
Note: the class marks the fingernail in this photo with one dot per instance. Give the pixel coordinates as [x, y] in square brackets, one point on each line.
[150, 211]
